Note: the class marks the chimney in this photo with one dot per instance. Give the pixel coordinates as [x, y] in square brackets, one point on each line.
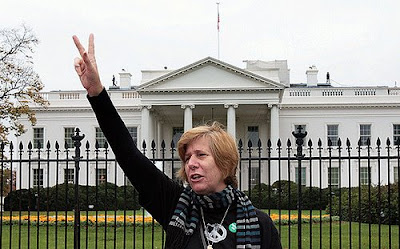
[125, 79]
[312, 76]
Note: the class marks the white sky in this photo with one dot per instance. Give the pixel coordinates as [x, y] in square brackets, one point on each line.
[357, 41]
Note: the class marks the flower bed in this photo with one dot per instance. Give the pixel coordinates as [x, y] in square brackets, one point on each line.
[129, 220]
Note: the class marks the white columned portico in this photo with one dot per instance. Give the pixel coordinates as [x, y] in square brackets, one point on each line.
[145, 129]
[231, 119]
[188, 117]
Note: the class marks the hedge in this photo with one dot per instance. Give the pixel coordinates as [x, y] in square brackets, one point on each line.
[62, 197]
[372, 206]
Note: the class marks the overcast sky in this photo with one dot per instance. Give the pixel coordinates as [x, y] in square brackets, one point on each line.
[357, 41]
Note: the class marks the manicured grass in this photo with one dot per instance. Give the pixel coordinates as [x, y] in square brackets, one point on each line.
[324, 235]
[115, 238]
[328, 237]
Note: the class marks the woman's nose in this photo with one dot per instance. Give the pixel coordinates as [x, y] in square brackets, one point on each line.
[192, 163]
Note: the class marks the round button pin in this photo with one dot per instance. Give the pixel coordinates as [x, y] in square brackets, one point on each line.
[232, 227]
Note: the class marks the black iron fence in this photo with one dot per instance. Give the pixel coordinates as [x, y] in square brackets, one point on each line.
[337, 195]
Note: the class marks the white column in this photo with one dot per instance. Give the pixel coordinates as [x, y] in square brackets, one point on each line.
[231, 119]
[274, 136]
[188, 117]
[274, 129]
[145, 129]
[159, 135]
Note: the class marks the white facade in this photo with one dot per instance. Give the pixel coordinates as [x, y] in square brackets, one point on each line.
[258, 100]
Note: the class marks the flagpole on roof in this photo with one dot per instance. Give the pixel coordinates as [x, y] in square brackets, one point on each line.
[218, 26]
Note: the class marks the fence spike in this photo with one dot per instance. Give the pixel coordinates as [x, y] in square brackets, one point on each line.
[172, 144]
[279, 143]
[310, 143]
[163, 144]
[66, 145]
[319, 142]
[87, 145]
[48, 144]
[259, 143]
[105, 145]
[21, 146]
[378, 142]
[2, 146]
[269, 143]
[329, 142]
[153, 144]
[240, 144]
[144, 144]
[249, 144]
[288, 143]
[96, 145]
[29, 145]
[348, 142]
[339, 142]
[388, 142]
[57, 146]
[11, 145]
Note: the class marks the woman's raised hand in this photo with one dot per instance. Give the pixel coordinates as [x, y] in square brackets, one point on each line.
[86, 67]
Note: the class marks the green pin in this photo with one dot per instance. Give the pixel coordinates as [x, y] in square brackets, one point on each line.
[232, 227]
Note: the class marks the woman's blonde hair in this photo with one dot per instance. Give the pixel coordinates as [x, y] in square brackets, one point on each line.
[222, 146]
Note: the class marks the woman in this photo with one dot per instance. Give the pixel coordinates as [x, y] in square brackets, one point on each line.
[210, 212]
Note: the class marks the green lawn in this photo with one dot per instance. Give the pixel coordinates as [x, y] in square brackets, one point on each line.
[91, 238]
[21, 236]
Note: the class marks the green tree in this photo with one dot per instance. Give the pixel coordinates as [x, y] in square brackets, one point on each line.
[19, 83]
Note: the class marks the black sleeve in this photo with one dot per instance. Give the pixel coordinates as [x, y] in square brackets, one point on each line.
[157, 193]
[270, 238]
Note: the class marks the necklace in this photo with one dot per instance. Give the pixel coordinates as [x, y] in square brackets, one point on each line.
[214, 233]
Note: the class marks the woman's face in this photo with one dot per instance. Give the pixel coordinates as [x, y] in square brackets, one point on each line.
[202, 173]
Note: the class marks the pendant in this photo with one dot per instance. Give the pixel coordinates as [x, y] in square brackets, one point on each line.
[215, 233]
[209, 247]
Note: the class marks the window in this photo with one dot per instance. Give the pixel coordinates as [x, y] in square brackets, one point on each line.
[101, 176]
[68, 133]
[303, 175]
[396, 174]
[365, 133]
[133, 133]
[253, 135]
[176, 134]
[38, 138]
[396, 134]
[37, 177]
[333, 177]
[333, 134]
[255, 176]
[100, 138]
[68, 175]
[364, 176]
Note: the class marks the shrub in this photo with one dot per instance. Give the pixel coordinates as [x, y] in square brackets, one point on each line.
[284, 195]
[369, 205]
[62, 197]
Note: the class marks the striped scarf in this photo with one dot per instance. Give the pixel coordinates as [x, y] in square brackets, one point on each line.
[187, 215]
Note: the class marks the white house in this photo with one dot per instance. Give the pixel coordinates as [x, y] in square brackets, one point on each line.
[257, 102]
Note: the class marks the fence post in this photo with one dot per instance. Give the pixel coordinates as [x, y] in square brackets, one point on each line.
[77, 213]
[299, 135]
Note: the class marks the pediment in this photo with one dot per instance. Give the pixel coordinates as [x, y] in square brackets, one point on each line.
[209, 74]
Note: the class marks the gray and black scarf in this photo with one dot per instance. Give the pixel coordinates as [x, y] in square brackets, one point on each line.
[187, 216]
